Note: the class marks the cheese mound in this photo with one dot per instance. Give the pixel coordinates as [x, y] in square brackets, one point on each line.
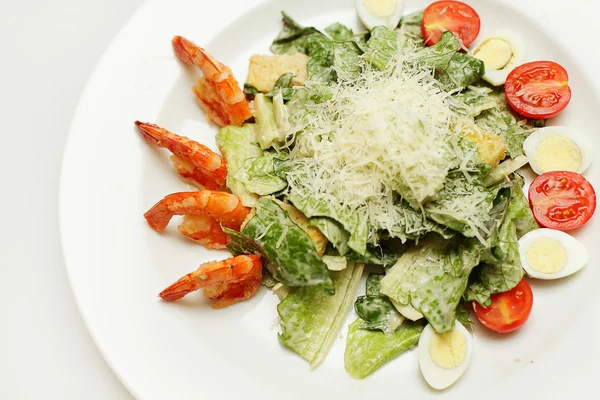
[381, 134]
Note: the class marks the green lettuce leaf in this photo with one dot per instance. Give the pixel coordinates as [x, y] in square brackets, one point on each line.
[353, 222]
[374, 284]
[501, 268]
[412, 19]
[440, 54]
[339, 32]
[432, 277]
[473, 101]
[381, 47]
[462, 71]
[377, 312]
[311, 320]
[267, 133]
[334, 232]
[259, 175]
[320, 65]
[237, 144]
[346, 60]
[282, 85]
[520, 212]
[367, 350]
[462, 315]
[501, 121]
[287, 250]
[463, 206]
[293, 38]
[406, 223]
[250, 90]
[335, 263]
[504, 169]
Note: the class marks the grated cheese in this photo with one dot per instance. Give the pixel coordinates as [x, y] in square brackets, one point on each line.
[379, 134]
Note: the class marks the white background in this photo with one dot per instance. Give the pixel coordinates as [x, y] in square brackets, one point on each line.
[49, 49]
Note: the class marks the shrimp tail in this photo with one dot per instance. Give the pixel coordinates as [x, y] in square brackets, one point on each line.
[179, 289]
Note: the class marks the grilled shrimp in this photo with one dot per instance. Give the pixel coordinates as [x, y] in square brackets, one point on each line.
[195, 162]
[205, 230]
[224, 207]
[227, 281]
[218, 92]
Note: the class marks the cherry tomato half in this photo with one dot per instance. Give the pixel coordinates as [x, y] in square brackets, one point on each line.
[453, 16]
[509, 310]
[538, 89]
[562, 200]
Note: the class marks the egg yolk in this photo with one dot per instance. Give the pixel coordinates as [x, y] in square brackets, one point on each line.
[448, 349]
[558, 153]
[495, 53]
[547, 255]
[380, 8]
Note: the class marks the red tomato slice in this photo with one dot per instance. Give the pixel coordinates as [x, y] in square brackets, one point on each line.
[509, 310]
[453, 16]
[538, 89]
[562, 200]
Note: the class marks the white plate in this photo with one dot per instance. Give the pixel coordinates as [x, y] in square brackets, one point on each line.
[117, 265]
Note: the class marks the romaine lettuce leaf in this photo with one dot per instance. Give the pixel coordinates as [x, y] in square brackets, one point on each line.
[406, 223]
[335, 263]
[412, 19]
[503, 123]
[462, 71]
[377, 311]
[267, 133]
[440, 54]
[237, 144]
[432, 277]
[504, 169]
[381, 47]
[334, 232]
[473, 101]
[259, 176]
[367, 350]
[282, 85]
[339, 32]
[373, 284]
[501, 268]
[320, 65]
[346, 60]
[287, 250]
[250, 90]
[375, 255]
[293, 38]
[311, 320]
[353, 222]
[520, 212]
[463, 206]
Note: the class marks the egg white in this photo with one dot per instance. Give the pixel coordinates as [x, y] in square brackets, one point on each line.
[532, 142]
[577, 255]
[437, 377]
[370, 21]
[497, 77]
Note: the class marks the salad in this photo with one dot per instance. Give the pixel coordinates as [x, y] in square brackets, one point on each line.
[392, 154]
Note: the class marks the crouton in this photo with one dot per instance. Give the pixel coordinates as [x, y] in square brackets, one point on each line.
[264, 71]
[491, 147]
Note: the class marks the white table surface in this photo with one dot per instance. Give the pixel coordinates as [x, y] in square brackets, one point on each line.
[49, 49]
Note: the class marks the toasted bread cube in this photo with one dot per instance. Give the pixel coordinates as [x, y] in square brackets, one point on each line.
[264, 71]
[492, 148]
